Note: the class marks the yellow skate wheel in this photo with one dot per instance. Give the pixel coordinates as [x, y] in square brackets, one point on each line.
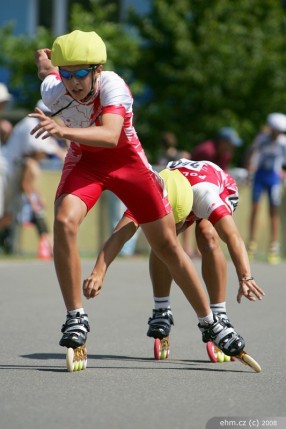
[76, 365]
[165, 348]
[248, 360]
[220, 356]
[227, 358]
[84, 364]
[70, 359]
[164, 354]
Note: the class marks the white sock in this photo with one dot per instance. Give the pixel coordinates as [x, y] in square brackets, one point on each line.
[162, 302]
[207, 320]
[75, 311]
[220, 307]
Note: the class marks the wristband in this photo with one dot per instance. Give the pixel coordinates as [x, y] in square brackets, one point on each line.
[246, 279]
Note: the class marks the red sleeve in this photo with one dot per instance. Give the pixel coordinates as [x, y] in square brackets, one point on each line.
[116, 110]
[55, 74]
[218, 213]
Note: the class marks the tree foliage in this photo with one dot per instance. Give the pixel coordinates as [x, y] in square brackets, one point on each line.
[210, 64]
[123, 49]
[193, 66]
[17, 55]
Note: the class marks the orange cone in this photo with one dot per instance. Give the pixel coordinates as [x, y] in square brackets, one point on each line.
[44, 249]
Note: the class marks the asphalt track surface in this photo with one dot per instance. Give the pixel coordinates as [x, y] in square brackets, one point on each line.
[123, 386]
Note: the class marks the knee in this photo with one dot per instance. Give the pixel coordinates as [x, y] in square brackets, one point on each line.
[65, 224]
[167, 250]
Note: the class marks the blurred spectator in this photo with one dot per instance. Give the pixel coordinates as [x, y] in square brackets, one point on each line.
[169, 149]
[219, 150]
[32, 210]
[22, 155]
[5, 130]
[266, 164]
[5, 125]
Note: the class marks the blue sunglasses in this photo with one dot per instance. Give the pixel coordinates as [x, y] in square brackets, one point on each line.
[78, 74]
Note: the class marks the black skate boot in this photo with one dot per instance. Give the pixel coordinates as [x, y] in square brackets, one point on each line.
[222, 334]
[75, 331]
[160, 323]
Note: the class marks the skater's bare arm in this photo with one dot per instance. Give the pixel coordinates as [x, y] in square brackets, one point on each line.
[44, 64]
[229, 233]
[124, 230]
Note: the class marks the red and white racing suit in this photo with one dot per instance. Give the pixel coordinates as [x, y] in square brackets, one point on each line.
[215, 192]
[124, 170]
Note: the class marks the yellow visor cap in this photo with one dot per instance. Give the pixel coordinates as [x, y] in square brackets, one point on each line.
[180, 193]
[78, 47]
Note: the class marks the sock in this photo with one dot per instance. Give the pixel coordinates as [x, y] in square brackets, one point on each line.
[75, 311]
[219, 308]
[207, 320]
[162, 302]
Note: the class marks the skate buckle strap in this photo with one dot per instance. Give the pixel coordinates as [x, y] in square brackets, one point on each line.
[79, 321]
[218, 330]
[161, 315]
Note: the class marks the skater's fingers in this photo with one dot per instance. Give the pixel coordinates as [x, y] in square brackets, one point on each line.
[239, 295]
[91, 287]
[246, 292]
[249, 289]
[95, 292]
[257, 291]
[250, 295]
[87, 287]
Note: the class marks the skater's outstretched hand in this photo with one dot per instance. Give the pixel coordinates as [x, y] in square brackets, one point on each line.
[47, 126]
[92, 285]
[121, 233]
[249, 289]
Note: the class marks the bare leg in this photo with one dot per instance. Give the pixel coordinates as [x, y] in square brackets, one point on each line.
[274, 223]
[252, 224]
[161, 235]
[214, 266]
[160, 276]
[69, 213]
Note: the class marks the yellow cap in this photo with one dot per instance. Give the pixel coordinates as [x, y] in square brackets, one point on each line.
[78, 47]
[180, 193]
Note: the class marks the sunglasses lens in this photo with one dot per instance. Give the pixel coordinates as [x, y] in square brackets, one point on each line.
[80, 74]
[65, 74]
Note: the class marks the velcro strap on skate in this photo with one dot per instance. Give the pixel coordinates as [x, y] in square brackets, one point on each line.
[224, 333]
[163, 315]
[160, 320]
[226, 344]
[76, 324]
